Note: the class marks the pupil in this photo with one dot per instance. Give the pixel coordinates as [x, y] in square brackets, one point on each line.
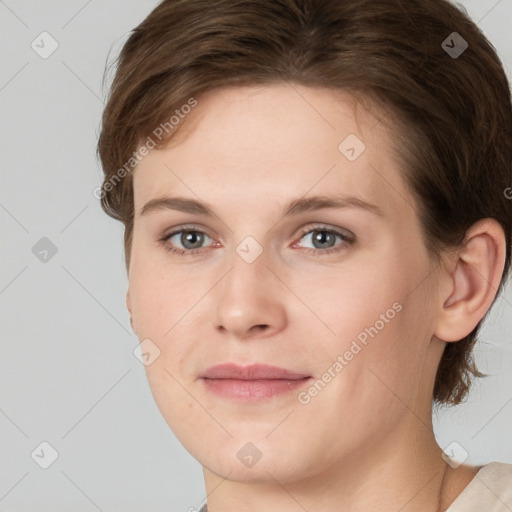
[189, 237]
[322, 237]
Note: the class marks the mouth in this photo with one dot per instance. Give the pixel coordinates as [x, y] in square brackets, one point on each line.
[252, 383]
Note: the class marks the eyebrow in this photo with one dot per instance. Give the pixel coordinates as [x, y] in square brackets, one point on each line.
[295, 207]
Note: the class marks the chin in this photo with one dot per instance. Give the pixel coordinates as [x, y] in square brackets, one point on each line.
[258, 461]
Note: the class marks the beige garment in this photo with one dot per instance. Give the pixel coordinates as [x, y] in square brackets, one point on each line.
[489, 491]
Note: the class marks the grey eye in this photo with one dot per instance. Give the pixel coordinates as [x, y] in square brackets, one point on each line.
[322, 238]
[188, 239]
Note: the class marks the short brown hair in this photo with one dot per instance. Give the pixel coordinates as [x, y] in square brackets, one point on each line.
[452, 138]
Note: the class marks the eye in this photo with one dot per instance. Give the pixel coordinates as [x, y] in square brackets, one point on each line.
[184, 240]
[188, 241]
[323, 240]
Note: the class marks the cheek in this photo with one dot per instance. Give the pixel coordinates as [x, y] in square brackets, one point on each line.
[376, 317]
[174, 398]
[167, 310]
[160, 296]
[160, 303]
[350, 297]
[372, 371]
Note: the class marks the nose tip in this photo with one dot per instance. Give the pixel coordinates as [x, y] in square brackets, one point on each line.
[241, 331]
[246, 303]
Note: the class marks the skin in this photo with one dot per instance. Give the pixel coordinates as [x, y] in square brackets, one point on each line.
[365, 441]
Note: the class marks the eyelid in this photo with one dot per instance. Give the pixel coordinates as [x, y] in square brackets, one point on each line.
[311, 227]
[186, 227]
[344, 233]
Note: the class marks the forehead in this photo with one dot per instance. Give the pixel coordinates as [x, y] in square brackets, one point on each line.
[248, 144]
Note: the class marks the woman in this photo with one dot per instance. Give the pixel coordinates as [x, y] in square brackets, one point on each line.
[316, 201]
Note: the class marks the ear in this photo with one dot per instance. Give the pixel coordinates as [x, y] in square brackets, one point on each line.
[472, 281]
[129, 307]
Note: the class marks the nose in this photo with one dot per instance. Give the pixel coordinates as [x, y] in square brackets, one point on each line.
[249, 301]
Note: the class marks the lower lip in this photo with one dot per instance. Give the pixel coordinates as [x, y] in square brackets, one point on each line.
[252, 390]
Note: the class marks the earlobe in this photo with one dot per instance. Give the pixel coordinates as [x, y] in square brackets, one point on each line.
[474, 281]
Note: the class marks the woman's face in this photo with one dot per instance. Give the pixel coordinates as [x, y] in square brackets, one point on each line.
[342, 294]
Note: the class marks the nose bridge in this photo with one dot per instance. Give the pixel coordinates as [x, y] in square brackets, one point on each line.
[247, 295]
[248, 277]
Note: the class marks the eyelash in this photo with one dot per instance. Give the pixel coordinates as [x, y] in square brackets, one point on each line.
[349, 240]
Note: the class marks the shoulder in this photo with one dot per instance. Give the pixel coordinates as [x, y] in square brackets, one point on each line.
[489, 490]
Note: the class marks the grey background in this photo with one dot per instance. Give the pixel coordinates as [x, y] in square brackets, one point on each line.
[68, 374]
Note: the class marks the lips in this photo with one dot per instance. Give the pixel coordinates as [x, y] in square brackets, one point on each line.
[251, 372]
[251, 384]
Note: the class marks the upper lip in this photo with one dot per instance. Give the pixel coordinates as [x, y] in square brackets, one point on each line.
[251, 372]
